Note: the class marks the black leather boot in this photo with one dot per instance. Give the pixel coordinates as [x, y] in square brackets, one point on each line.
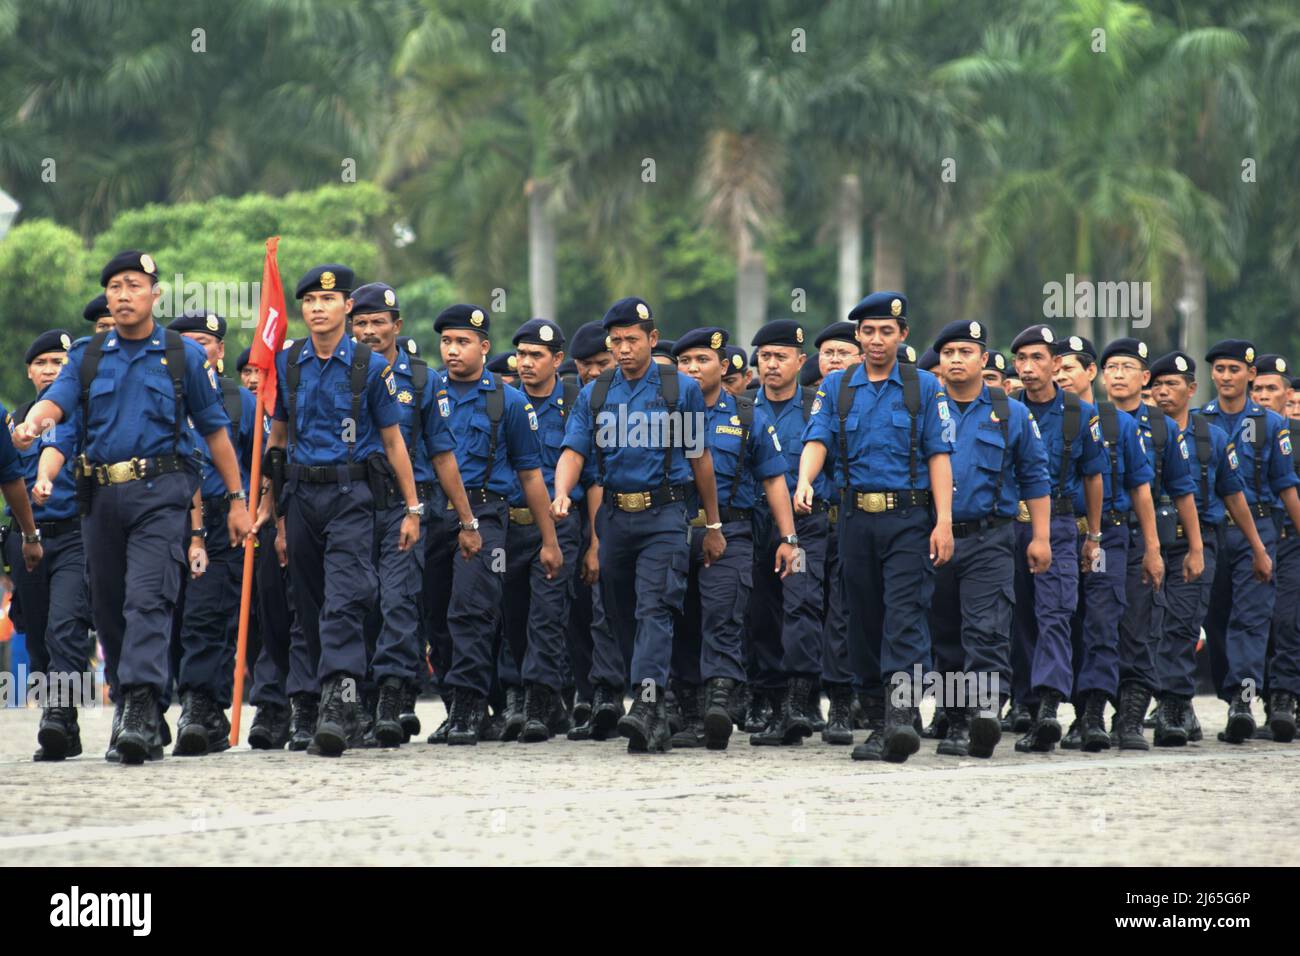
[938, 728]
[407, 718]
[675, 719]
[439, 735]
[560, 719]
[839, 719]
[1018, 720]
[901, 738]
[789, 724]
[191, 728]
[1241, 723]
[140, 738]
[719, 693]
[739, 703]
[468, 711]
[1094, 734]
[514, 713]
[606, 711]
[1171, 722]
[1281, 718]
[814, 708]
[1133, 701]
[956, 742]
[1042, 737]
[645, 726]
[581, 711]
[873, 710]
[111, 754]
[1193, 725]
[985, 731]
[758, 713]
[363, 734]
[688, 699]
[1073, 739]
[338, 723]
[387, 728]
[218, 728]
[538, 706]
[270, 728]
[58, 734]
[304, 713]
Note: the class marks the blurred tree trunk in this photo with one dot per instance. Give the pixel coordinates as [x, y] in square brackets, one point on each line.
[541, 250]
[886, 255]
[1191, 306]
[848, 217]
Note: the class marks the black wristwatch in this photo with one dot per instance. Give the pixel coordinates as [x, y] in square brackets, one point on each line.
[792, 539]
[240, 495]
[198, 532]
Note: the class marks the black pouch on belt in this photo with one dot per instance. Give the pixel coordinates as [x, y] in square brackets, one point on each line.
[1166, 522]
[383, 481]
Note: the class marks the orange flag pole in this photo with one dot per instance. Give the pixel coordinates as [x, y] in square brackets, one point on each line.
[246, 589]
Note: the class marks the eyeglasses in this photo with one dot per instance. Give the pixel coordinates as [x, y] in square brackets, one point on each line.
[1116, 368]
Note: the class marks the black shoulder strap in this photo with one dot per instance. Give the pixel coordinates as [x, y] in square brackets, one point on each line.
[174, 350]
[807, 396]
[570, 396]
[292, 376]
[357, 381]
[912, 402]
[1159, 441]
[1002, 409]
[599, 392]
[234, 406]
[1071, 422]
[745, 412]
[843, 403]
[89, 366]
[1259, 443]
[670, 389]
[1204, 452]
[419, 381]
[495, 401]
[1109, 416]
[1293, 424]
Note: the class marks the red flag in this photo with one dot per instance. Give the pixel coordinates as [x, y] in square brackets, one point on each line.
[271, 326]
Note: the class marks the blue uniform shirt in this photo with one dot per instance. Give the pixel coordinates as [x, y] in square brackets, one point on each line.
[878, 428]
[1176, 476]
[63, 500]
[982, 453]
[15, 464]
[213, 486]
[639, 408]
[1279, 472]
[325, 404]
[517, 446]
[551, 414]
[1133, 467]
[132, 407]
[789, 425]
[435, 436]
[1086, 453]
[763, 458]
[1222, 477]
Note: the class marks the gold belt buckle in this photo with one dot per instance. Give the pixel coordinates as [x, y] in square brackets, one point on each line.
[1082, 525]
[634, 501]
[521, 516]
[699, 521]
[872, 502]
[1022, 513]
[121, 471]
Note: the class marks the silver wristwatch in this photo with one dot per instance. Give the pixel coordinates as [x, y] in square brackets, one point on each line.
[472, 526]
[791, 539]
[417, 510]
[33, 538]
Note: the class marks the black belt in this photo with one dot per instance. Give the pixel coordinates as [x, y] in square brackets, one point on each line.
[50, 529]
[820, 505]
[424, 490]
[725, 515]
[1063, 507]
[1180, 532]
[1258, 510]
[479, 496]
[1286, 531]
[136, 469]
[964, 529]
[214, 506]
[876, 502]
[633, 501]
[326, 474]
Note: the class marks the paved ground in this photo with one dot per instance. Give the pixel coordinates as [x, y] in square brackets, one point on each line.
[573, 803]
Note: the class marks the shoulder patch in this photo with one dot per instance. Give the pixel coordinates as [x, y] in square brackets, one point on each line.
[1033, 423]
[444, 405]
[1182, 447]
[212, 378]
[775, 440]
[1094, 428]
[817, 404]
[532, 415]
[1284, 441]
[1232, 457]
[944, 414]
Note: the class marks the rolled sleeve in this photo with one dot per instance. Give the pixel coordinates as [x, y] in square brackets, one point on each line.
[65, 391]
[380, 391]
[1138, 471]
[202, 394]
[437, 436]
[1032, 477]
[765, 461]
[938, 416]
[522, 444]
[577, 427]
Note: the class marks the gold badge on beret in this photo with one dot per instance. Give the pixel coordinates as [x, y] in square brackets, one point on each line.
[715, 340]
[327, 280]
[1047, 336]
[1142, 350]
[512, 362]
[896, 307]
[1180, 363]
[546, 333]
[609, 343]
[65, 341]
[1281, 363]
[212, 323]
[975, 329]
[476, 318]
[641, 311]
[1076, 343]
[1250, 354]
[798, 334]
[737, 361]
[147, 264]
[389, 298]
[999, 361]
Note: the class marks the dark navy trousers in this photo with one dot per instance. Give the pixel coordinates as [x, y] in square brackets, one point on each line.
[1103, 596]
[536, 618]
[277, 623]
[1283, 671]
[836, 666]
[785, 617]
[1141, 625]
[1041, 651]
[1241, 609]
[708, 636]
[392, 627]
[1183, 605]
[210, 617]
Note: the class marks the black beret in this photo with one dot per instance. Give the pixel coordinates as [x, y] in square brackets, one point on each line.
[327, 278]
[960, 331]
[779, 332]
[540, 332]
[130, 261]
[1077, 346]
[906, 354]
[199, 320]
[664, 347]
[589, 341]
[1270, 363]
[462, 316]
[1134, 348]
[504, 364]
[97, 308]
[374, 297]
[408, 345]
[1034, 335]
[838, 332]
[567, 367]
[1295, 383]
[880, 305]
[811, 373]
[1175, 363]
[242, 361]
[627, 311]
[734, 363]
[1239, 350]
[709, 337]
[996, 361]
[55, 340]
[753, 358]
[929, 360]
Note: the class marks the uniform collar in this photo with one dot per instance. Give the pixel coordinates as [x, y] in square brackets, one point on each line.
[343, 351]
[760, 397]
[153, 343]
[1250, 408]
[860, 375]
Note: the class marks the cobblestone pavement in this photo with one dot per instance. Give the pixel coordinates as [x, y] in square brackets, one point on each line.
[572, 803]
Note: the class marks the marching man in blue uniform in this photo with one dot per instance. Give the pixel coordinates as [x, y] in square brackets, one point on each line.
[1218, 492]
[393, 627]
[494, 428]
[127, 394]
[335, 448]
[708, 651]
[888, 428]
[643, 423]
[1000, 459]
[1241, 607]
